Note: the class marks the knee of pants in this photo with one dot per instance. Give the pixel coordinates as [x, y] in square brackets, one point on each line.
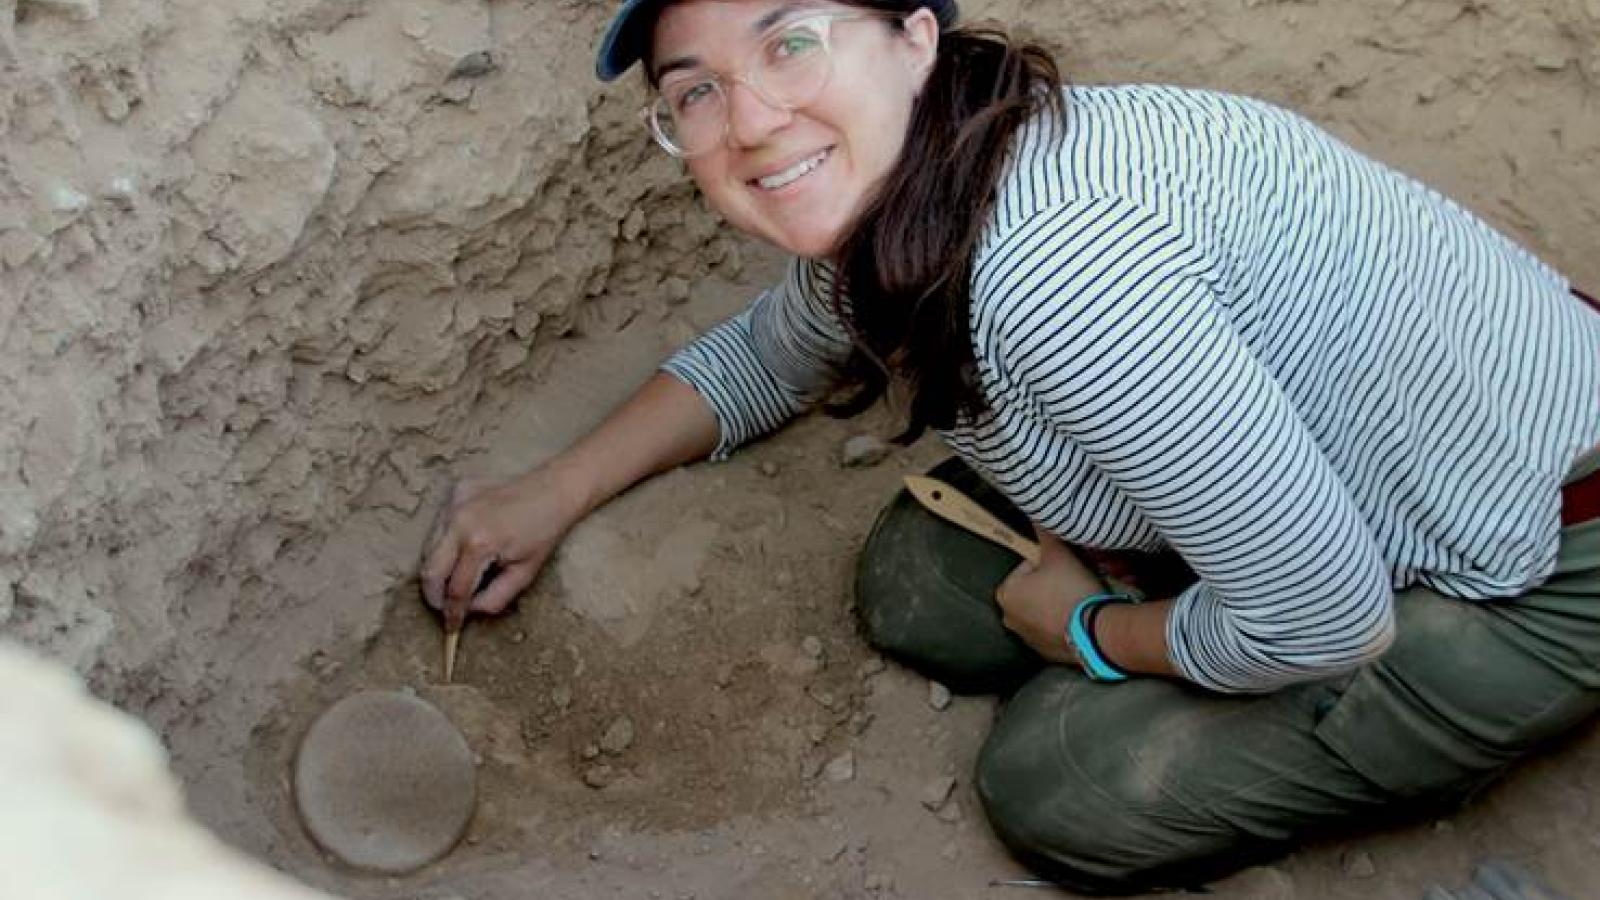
[1050, 799]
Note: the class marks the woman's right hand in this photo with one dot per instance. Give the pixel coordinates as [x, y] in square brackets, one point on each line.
[511, 527]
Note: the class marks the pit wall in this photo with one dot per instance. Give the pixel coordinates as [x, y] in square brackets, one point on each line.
[269, 267]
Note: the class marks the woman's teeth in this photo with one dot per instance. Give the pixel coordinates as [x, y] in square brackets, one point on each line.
[792, 174]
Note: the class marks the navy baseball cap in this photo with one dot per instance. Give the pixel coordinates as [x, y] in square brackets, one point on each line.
[628, 38]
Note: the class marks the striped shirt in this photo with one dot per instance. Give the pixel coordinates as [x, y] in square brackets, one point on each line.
[1203, 324]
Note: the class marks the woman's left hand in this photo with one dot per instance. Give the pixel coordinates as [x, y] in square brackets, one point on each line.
[1037, 599]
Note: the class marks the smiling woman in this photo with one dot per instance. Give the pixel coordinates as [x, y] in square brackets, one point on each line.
[1147, 319]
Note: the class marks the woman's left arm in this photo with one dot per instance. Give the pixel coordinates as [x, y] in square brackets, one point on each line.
[1109, 328]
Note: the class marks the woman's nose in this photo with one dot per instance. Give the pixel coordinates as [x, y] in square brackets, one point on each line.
[751, 117]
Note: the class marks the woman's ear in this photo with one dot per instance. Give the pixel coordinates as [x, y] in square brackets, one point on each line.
[922, 31]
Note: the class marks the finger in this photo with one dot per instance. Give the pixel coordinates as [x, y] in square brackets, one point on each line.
[499, 593]
[464, 581]
[436, 569]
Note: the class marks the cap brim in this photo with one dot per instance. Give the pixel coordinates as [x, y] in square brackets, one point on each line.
[625, 41]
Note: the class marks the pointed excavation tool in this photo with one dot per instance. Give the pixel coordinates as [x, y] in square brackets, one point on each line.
[950, 504]
[452, 636]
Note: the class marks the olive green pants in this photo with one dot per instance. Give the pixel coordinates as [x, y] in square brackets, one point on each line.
[1155, 784]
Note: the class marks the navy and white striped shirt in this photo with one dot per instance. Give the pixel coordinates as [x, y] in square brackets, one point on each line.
[1202, 323]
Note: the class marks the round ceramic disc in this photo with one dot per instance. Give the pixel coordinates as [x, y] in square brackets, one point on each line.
[384, 782]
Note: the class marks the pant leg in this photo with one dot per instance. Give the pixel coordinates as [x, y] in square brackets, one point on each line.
[1151, 784]
[925, 591]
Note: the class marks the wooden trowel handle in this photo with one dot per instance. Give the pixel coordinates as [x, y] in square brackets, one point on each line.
[950, 504]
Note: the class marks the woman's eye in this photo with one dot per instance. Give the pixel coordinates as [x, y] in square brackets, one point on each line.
[798, 42]
[693, 94]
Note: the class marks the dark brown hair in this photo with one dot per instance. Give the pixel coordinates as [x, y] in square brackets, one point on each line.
[906, 266]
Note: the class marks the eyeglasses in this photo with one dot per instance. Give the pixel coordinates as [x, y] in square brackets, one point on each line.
[793, 63]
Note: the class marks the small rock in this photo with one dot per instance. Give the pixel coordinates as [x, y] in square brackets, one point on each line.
[589, 751]
[618, 737]
[1262, 883]
[824, 699]
[518, 637]
[869, 667]
[950, 813]
[938, 696]
[724, 676]
[561, 697]
[473, 65]
[599, 776]
[1358, 864]
[477, 760]
[66, 199]
[768, 468]
[937, 792]
[863, 451]
[1550, 62]
[676, 291]
[122, 191]
[811, 646]
[817, 732]
[82, 10]
[842, 767]
[633, 225]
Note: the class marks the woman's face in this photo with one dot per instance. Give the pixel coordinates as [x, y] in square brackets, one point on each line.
[849, 137]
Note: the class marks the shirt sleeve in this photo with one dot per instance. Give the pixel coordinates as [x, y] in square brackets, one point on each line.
[770, 362]
[1107, 325]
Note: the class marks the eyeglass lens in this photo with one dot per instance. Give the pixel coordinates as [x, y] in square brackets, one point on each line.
[791, 67]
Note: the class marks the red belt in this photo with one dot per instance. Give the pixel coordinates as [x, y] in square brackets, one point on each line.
[1580, 500]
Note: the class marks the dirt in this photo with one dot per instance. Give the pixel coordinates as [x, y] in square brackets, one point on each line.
[272, 272]
[773, 754]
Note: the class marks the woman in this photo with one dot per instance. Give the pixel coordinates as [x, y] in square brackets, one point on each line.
[1146, 319]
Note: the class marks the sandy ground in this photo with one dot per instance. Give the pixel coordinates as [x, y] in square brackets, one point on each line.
[771, 753]
[270, 268]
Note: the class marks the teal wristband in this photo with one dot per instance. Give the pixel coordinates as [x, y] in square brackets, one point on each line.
[1081, 633]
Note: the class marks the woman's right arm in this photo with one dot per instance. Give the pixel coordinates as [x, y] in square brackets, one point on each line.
[743, 378]
[516, 525]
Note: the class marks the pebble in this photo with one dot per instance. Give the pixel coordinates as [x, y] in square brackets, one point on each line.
[724, 676]
[768, 468]
[950, 813]
[599, 776]
[811, 646]
[82, 10]
[676, 290]
[473, 65]
[863, 451]
[1358, 864]
[518, 637]
[823, 698]
[619, 736]
[938, 696]
[842, 767]
[817, 732]
[67, 199]
[938, 791]
[589, 751]
[1262, 883]
[869, 667]
[561, 697]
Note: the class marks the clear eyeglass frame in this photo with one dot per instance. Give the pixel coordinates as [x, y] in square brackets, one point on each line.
[658, 115]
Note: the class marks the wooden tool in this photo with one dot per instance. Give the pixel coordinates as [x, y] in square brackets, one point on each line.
[950, 504]
[451, 640]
